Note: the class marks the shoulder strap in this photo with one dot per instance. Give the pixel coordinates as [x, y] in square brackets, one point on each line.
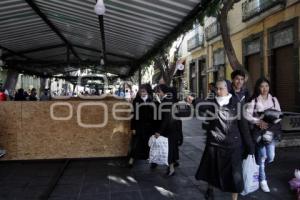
[273, 102]
[255, 100]
[255, 104]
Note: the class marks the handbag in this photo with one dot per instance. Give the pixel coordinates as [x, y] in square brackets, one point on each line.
[271, 116]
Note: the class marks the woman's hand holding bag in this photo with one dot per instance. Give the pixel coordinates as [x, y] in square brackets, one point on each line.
[159, 150]
[250, 175]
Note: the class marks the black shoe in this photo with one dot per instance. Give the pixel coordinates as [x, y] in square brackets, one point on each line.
[129, 165]
[176, 164]
[170, 173]
[153, 165]
[209, 195]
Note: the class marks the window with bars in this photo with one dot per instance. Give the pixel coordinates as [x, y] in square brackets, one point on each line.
[252, 8]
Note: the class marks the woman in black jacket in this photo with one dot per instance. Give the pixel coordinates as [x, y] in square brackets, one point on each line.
[167, 126]
[142, 124]
[227, 133]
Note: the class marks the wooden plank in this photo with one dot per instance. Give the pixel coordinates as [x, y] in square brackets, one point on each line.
[28, 132]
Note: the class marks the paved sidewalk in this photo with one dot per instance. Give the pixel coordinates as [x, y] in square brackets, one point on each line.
[110, 179]
[278, 173]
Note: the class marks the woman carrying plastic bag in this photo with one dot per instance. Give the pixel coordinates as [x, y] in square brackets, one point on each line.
[250, 175]
[159, 150]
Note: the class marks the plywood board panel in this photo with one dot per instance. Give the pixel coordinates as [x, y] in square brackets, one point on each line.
[31, 133]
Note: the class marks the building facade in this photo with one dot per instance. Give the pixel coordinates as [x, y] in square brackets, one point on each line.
[265, 35]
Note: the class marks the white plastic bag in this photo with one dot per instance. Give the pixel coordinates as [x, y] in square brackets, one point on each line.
[159, 150]
[250, 175]
[151, 140]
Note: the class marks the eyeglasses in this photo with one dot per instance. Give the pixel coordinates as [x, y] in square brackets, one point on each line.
[220, 88]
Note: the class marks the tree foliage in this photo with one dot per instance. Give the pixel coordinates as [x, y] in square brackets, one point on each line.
[167, 67]
[218, 9]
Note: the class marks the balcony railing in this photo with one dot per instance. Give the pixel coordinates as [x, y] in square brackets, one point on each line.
[212, 31]
[196, 41]
[252, 8]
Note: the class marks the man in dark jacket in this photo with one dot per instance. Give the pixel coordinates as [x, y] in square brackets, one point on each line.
[238, 90]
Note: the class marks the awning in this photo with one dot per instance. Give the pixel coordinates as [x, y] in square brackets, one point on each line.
[45, 36]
